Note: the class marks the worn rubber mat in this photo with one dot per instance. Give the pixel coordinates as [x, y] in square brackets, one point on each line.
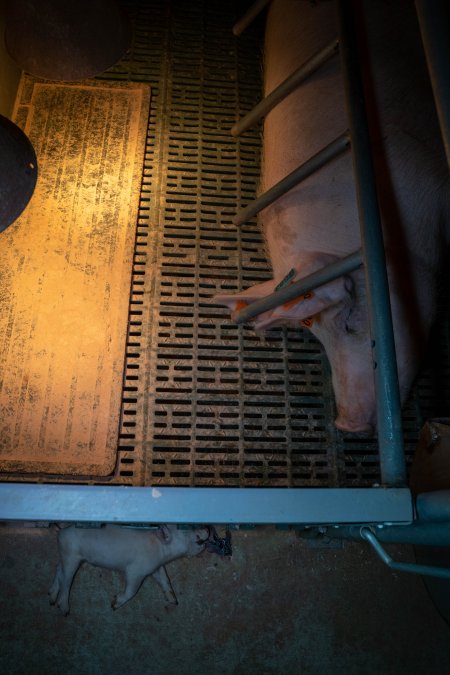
[65, 269]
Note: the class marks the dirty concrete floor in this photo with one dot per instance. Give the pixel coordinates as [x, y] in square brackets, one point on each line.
[278, 606]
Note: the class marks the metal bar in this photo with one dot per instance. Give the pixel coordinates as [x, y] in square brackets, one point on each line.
[427, 570]
[336, 147]
[249, 15]
[416, 533]
[305, 285]
[434, 22]
[434, 506]
[114, 504]
[285, 88]
[390, 439]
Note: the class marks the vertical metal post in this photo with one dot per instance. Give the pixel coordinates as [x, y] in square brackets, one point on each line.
[390, 434]
[434, 21]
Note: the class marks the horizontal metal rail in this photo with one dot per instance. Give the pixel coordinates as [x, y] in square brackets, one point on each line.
[316, 162]
[389, 422]
[434, 22]
[114, 504]
[305, 285]
[285, 88]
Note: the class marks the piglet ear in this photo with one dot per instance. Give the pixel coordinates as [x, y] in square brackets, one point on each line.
[164, 534]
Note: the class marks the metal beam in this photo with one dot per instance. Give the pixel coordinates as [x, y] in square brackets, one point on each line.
[389, 422]
[113, 504]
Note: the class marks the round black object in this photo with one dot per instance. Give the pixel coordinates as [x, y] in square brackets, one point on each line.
[18, 171]
[61, 40]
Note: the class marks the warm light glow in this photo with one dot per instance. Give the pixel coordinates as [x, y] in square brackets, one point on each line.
[65, 267]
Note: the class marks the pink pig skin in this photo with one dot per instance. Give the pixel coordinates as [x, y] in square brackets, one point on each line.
[135, 552]
[316, 222]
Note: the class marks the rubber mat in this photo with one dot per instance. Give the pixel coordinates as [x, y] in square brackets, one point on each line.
[65, 267]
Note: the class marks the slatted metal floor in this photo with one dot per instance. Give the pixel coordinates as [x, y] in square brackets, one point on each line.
[205, 402]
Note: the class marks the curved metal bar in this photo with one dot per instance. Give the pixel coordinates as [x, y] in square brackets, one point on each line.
[427, 570]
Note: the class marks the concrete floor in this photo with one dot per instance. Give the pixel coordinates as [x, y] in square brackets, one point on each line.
[278, 606]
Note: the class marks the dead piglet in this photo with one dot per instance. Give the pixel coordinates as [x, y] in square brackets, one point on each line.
[135, 552]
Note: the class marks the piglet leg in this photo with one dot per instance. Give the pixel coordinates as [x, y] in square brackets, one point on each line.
[133, 581]
[60, 589]
[161, 576]
[54, 589]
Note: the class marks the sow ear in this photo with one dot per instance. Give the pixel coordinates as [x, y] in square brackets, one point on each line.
[296, 311]
[304, 308]
[164, 534]
[238, 301]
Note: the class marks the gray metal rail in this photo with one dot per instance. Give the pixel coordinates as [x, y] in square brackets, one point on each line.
[389, 421]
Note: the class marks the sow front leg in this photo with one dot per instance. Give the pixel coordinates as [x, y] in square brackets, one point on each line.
[161, 576]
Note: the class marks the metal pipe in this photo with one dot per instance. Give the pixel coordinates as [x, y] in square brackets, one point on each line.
[248, 17]
[416, 533]
[336, 147]
[390, 438]
[309, 283]
[434, 22]
[434, 506]
[285, 88]
[427, 570]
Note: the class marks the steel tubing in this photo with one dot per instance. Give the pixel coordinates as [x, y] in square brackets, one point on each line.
[309, 283]
[285, 88]
[390, 436]
[249, 15]
[336, 147]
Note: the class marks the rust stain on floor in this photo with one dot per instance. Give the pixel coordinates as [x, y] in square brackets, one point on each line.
[65, 269]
